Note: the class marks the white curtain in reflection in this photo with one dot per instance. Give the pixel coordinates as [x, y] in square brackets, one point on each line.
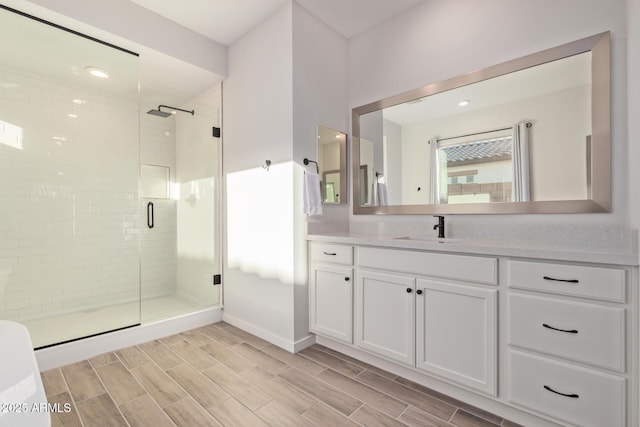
[434, 172]
[521, 181]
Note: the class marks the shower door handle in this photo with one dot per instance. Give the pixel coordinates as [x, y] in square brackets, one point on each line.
[150, 215]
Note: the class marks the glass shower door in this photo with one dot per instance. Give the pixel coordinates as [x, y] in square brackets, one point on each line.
[69, 232]
[181, 243]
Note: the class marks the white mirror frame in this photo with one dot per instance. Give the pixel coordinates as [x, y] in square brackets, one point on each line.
[600, 201]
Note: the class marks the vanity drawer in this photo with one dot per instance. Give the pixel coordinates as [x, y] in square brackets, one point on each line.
[456, 267]
[584, 332]
[590, 398]
[328, 252]
[566, 279]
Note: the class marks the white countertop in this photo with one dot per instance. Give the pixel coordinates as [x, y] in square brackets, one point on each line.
[523, 249]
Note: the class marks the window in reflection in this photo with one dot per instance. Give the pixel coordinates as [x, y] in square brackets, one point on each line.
[478, 171]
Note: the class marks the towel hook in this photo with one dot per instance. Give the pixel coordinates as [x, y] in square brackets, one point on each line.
[266, 165]
[307, 161]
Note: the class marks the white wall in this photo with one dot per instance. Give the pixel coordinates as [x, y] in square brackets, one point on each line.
[257, 126]
[320, 97]
[437, 40]
[393, 161]
[286, 76]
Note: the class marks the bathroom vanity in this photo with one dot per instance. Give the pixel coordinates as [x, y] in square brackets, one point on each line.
[536, 333]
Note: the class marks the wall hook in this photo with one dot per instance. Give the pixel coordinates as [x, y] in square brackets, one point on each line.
[266, 165]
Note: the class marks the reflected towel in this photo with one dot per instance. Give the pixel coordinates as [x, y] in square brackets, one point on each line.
[312, 198]
[383, 199]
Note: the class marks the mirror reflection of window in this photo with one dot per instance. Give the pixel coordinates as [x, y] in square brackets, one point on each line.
[553, 88]
[477, 171]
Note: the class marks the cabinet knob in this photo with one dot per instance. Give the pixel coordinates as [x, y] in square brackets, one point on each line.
[419, 292]
[346, 279]
[409, 290]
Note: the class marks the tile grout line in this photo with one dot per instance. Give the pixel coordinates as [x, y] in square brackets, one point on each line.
[456, 407]
[452, 416]
[355, 378]
[73, 400]
[200, 372]
[174, 381]
[108, 393]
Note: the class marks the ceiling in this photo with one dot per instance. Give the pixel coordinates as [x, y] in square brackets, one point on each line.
[548, 78]
[226, 21]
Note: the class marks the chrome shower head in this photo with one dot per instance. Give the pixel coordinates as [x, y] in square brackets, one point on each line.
[158, 112]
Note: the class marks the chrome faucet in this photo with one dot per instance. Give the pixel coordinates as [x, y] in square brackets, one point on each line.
[439, 226]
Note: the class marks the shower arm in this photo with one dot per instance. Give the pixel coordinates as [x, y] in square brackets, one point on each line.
[192, 112]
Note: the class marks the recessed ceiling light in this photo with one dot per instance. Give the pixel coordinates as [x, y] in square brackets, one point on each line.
[97, 72]
[73, 116]
[464, 103]
[79, 101]
[59, 138]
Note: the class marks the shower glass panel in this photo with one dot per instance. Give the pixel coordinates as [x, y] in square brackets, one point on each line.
[181, 233]
[69, 156]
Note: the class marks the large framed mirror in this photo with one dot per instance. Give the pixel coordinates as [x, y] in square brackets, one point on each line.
[332, 165]
[531, 135]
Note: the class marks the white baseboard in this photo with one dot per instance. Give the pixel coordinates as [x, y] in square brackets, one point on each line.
[304, 343]
[64, 354]
[291, 346]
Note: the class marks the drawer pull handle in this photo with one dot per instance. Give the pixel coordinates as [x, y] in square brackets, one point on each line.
[409, 290]
[561, 280]
[573, 396]
[569, 331]
[330, 253]
[346, 279]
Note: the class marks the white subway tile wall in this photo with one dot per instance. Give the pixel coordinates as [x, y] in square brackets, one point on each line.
[69, 210]
[158, 246]
[158, 254]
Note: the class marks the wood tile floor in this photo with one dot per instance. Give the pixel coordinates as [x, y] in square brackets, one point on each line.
[219, 375]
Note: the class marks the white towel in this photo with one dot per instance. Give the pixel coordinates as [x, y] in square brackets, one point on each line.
[312, 198]
[383, 199]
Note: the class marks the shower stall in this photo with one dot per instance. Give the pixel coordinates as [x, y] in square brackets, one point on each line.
[109, 216]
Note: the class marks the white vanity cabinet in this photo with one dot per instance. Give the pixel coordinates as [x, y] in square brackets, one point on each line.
[540, 336]
[567, 341]
[456, 333]
[385, 315]
[422, 309]
[331, 291]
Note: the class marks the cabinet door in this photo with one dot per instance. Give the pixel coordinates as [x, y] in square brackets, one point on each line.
[456, 333]
[331, 301]
[385, 315]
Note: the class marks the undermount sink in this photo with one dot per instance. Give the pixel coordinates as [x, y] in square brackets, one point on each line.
[427, 239]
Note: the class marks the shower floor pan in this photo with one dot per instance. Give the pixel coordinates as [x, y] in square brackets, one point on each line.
[69, 326]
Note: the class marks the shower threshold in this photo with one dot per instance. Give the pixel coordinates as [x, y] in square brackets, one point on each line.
[80, 324]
